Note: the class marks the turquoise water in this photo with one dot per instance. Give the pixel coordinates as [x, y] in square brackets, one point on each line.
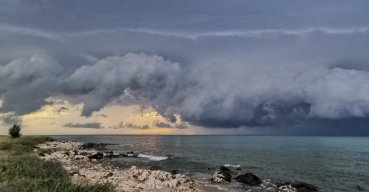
[334, 164]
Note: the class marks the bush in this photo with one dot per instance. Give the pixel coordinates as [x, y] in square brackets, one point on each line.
[14, 131]
[21, 170]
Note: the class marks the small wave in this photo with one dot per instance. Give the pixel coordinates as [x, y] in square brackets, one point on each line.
[231, 165]
[152, 157]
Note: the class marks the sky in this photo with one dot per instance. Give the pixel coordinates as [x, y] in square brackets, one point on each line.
[288, 67]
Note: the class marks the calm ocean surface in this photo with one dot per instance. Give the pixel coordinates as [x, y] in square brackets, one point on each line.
[333, 164]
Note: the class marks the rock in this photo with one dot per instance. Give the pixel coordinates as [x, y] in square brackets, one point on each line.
[174, 172]
[67, 153]
[84, 153]
[131, 154]
[73, 172]
[222, 175]
[298, 186]
[161, 181]
[359, 188]
[108, 175]
[286, 188]
[224, 168]
[79, 157]
[98, 155]
[155, 167]
[249, 179]
[108, 154]
[134, 179]
[116, 155]
[93, 146]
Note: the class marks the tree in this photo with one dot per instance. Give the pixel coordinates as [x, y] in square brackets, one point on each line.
[14, 131]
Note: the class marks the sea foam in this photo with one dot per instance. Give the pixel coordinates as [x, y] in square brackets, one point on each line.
[231, 165]
[152, 157]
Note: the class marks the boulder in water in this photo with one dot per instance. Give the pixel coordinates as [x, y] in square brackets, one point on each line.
[224, 168]
[108, 154]
[98, 155]
[222, 175]
[359, 188]
[93, 146]
[131, 154]
[249, 179]
[174, 171]
[297, 186]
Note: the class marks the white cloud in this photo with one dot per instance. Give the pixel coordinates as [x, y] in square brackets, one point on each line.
[228, 33]
[11, 29]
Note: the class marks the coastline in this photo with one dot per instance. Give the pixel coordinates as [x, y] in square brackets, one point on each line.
[90, 166]
[43, 164]
[91, 163]
[21, 170]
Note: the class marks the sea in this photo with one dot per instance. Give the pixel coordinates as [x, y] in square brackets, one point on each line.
[334, 164]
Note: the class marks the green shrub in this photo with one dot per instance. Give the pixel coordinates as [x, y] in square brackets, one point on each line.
[5, 146]
[14, 131]
[23, 171]
[50, 185]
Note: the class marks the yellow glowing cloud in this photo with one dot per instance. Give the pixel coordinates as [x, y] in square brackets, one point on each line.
[152, 131]
[51, 118]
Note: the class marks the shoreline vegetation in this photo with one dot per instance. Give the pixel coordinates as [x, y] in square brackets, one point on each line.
[21, 170]
[41, 164]
[89, 163]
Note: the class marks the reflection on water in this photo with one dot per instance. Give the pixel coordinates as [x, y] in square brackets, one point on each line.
[332, 163]
[148, 144]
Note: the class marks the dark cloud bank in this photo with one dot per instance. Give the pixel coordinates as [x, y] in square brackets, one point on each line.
[262, 69]
[93, 125]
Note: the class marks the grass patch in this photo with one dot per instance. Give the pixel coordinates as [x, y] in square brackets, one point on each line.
[23, 171]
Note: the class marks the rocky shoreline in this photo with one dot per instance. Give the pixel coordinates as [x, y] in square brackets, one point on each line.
[89, 163]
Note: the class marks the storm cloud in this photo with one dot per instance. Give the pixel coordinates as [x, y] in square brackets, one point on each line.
[94, 125]
[124, 125]
[295, 68]
[10, 119]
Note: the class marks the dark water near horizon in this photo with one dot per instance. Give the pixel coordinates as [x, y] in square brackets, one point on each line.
[334, 164]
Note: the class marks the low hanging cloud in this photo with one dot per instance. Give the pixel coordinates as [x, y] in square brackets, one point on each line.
[161, 124]
[10, 119]
[181, 126]
[219, 95]
[26, 82]
[125, 125]
[248, 69]
[134, 77]
[207, 94]
[240, 33]
[62, 109]
[91, 125]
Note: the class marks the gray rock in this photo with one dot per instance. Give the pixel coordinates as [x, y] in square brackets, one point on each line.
[98, 155]
[298, 186]
[93, 146]
[249, 179]
[222, 175]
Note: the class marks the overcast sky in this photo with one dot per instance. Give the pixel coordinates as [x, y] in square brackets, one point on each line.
[288, 67]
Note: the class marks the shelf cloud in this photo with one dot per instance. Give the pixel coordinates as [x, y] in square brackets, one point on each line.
[93, 125]
[290, 70]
